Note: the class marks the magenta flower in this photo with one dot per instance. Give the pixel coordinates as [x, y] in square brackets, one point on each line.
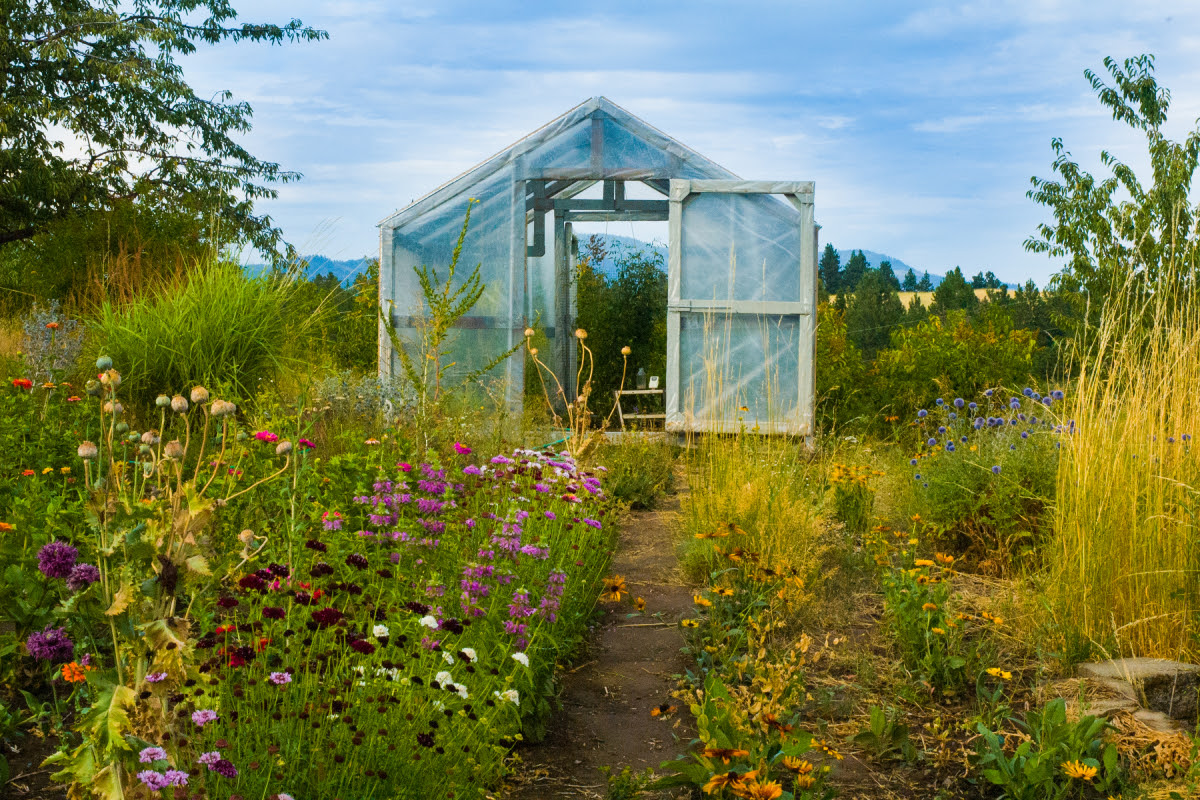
[155, 677]
[151, 754]
[266, 436]
[280, 678]
[461, 449]
[203, 717]
[305, 444]
[152, 780]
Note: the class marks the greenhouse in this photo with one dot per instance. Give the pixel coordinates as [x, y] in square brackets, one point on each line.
[741, 263]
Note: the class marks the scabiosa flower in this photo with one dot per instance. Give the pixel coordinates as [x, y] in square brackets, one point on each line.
[56, 559]
[176, 777]
[279, 678]
[156, 677]
[521, 659]
[151, 754]
[203, 717]
[356, 560]
[327, 616]
[362, 646]
[471, 469]
[429, 621]
[273, 612]
[82, 576]
[468, 653]
[224, 767]
[50, 644]
[208, 759]
[152, 780]
[380, 631]
[252, 581]
[550, 515]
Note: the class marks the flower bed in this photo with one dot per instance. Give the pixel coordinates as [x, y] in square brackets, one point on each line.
[400, 659]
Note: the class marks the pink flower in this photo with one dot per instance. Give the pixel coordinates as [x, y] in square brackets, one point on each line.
[266, 436]
[305, 444]
[203, 717]
[461, 449]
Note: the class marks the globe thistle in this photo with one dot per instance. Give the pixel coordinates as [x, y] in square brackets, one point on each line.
[56, 559]
[959, 402]
[996, 470]
[922, 414]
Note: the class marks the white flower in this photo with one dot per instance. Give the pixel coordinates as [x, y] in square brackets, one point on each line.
[510, 695]
[447, 657]
[439, 705]
[444, 678]
[469, 652]
[428, 621]
[521, 659]
[462, 691]
[380, 631]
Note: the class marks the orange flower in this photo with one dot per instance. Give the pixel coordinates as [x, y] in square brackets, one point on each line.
[73, 673]
[721, 780]
[724, 753]
[28, 472]
[52, 326]
[22, 383]
[639, 604]
[5, 527]
[761, 791]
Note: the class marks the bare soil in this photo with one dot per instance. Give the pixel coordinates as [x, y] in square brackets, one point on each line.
[628, 669]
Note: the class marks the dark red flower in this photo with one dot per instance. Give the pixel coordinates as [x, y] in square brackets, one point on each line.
[356, 560]
[321, 568]
[327, 616]
[252, 581]
[227, 602]
[363, 646]
[273, 612]
[279, 570]
[313, 544]
[303, 599]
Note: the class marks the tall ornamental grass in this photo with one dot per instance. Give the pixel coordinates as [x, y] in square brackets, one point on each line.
[220, 327]
[1124, 562]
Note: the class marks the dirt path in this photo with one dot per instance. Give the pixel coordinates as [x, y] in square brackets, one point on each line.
[605, 718]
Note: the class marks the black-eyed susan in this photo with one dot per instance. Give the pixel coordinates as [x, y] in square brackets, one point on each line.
[662, 709]
[938, 631]
[701, 600]
[639, 604]
[761, 791]
[942, 558]
[725, 754]
[797, 765]
[722, 780]
[1078, 770]
[724, 592]
[689, 623]
[929, 607]
[996, 672]
[923, 562]
[614, 589]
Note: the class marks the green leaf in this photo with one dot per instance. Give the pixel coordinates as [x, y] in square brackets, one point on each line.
[198, 564]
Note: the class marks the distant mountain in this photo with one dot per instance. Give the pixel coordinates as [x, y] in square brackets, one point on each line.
[898, 266]
[615, 246]
[344, 271]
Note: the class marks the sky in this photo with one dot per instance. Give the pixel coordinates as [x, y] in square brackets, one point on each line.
[921, 123]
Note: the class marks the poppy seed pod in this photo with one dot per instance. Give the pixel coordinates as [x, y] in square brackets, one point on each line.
[626, 350]
[179, 404]
[121, 427]
[222, 408]
[533, 351]
[110, 378]
[162, 401]
[149, 437]
[528, 333]
[580, 333]
[283, 448]
[93, 388]
[173, 449]
[103, 363]
[87, 451]
[199, 395]
[132, 438]
[114, 408]
[144, 449]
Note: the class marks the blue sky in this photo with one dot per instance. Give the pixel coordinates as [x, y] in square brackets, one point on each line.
[921, 123]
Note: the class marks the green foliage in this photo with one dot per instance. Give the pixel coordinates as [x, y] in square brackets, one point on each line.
[345, 319]
[909, 284]
[143, 131]
[1112, 228]
[954, 293]
[640, 469]
[874, 311]
[886, 737]
[628, 310]
[853, 498]
[856, 268]
[841, 379]
[1037, 769]
[626, 784]
[925, 284]
[220, 328]
[934, 354]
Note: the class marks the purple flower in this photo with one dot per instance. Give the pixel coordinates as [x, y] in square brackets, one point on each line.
[208, 759]
[153, 780]
[471, 469]
[959, 402]
[988, 393]
[50, 644]
[1027, 392]
[203, 717]
[176, 777]
[1057, 394]
[155, 677]
[305, 444]
[996, 470]
[332, 521]
[82, 576]
[224, 767]
[912, 462]
[593, 523]
[56, 559]
[152, 754]
[550, 515]
[922, 414]
[280, 678]
[461, 449]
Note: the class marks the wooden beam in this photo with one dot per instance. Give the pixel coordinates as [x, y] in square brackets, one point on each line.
[616, 216]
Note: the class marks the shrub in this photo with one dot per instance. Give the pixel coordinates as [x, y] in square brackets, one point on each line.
[984, 474]
[853, 498]
[220, 328]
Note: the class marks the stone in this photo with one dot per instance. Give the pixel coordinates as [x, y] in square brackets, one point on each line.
[1166, 686]
[1158, 721]
[1105, 708]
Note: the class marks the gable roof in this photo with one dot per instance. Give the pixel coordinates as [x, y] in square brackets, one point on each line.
[674, 159]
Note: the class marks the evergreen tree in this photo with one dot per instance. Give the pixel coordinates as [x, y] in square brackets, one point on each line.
[889, 274]
[925, 284]
[856, 267]
[910, 281]
[979, 282]
[830, 270]
[954, 293]
[992, 282]
[916, 312]
[873, 312]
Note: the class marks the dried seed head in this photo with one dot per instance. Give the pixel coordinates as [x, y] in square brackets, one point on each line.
[529, 333]
[150, 437]
[173, 450]
[179, 404]
[199, 395]
[162, 401]
[626, 350]
[114, 408]
[87, 451]
[283, 448]
[110, 378]
[580, 333]
[533, 351]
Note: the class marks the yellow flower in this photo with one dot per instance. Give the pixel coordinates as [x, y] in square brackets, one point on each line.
[943, 558]
[701, 601]
[923, 562]
[1077, 769]
[761, 791]
[722, 779]
[996, 672]
[724, 592]
[47, 470]
[614, 589]
[929, 607]
[938, 631]
[797, 765]
[65, 470]
[639, 604]
[689, 623]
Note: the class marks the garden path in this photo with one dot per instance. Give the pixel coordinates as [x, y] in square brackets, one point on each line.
[625, 672]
